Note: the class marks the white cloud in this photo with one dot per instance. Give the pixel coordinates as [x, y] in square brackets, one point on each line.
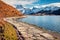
[52, 4]
[22, 2]
[55, 4]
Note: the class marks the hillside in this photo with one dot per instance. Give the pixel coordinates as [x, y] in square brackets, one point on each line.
[8, 11]
[7, 30]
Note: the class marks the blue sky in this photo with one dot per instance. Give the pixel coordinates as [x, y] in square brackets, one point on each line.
[30, 3]
[42, 2]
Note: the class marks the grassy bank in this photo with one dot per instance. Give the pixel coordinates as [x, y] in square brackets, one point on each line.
[7, 31]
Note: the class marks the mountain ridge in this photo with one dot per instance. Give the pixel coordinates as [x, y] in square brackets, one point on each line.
[35, 10]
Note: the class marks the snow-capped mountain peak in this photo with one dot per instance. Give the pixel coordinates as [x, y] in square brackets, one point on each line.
[41, 8]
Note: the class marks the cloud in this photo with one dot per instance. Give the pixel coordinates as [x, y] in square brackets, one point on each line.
[22, 2]
[55, 4]
[52, 4]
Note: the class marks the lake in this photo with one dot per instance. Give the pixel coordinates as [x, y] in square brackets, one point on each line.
[48, 22]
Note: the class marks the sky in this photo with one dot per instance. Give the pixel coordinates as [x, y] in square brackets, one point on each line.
[46, 1]
[30, 3]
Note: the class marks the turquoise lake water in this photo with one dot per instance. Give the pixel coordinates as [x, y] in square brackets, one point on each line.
[48, 22]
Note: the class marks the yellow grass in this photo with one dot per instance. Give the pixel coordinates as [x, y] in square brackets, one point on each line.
[9, 32]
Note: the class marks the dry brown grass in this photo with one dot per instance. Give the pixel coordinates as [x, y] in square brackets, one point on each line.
[8, 31]
[8, 11]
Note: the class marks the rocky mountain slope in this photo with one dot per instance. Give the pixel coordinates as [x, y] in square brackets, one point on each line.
[8, 11]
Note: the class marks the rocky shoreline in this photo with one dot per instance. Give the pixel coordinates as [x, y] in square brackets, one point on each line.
[30, 32]
[55, 34]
